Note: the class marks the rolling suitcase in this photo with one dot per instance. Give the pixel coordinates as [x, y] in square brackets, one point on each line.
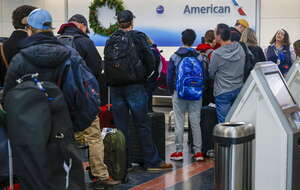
[106, 116]
[158, 135]
[6, 160]
[7, 181]
[115, 155]
[207, 124]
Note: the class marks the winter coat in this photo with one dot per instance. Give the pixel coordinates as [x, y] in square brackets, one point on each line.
[258, 53]
[85, 47]
[38, 152]
[40, 53]
[282, 55]
[11, 48]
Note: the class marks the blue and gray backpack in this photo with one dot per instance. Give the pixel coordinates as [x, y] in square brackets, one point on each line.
[190, 77]
[81, 91]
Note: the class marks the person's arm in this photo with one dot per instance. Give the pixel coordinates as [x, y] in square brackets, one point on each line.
[145, 54]
[262, 55]
[88, 51]
[213, 66]
[171, 76]
[13, 73]
[266, 53]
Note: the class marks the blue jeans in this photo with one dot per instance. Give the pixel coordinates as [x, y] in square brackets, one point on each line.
[135, 99]
[224, 103]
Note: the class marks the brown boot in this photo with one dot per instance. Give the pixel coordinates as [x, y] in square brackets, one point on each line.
[161, 167]
[99, 184]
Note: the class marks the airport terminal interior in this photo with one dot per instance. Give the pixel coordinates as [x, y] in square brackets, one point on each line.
[186, 174]
[256, 147]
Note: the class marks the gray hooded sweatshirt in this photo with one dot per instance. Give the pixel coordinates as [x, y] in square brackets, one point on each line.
[227, 68]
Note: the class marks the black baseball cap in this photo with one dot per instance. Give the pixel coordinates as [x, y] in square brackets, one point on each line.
[80, 19]
[125, 16]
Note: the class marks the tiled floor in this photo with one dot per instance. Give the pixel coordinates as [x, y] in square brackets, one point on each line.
[186, 175]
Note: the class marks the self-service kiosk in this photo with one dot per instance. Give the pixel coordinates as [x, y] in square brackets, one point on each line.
[293, 81]
[266, 102]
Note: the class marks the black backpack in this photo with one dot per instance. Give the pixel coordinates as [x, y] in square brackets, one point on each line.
[250, 61]
[68, 40]
[41, 134]
[122, 64]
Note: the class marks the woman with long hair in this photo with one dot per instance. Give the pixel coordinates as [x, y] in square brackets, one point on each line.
[249, 38]
[279, 51]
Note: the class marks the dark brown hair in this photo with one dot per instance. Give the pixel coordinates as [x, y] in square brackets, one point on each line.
[124, 25]
[286, 39]
[19, 14]
[209, 36]
[297, 47]
[224, 31]
[188, 37]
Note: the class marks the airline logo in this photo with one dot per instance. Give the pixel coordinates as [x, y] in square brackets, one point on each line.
[240, 9]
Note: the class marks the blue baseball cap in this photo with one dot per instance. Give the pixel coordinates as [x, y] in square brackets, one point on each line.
[40, 19]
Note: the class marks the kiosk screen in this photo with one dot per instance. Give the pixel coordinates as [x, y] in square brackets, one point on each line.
[279, 89]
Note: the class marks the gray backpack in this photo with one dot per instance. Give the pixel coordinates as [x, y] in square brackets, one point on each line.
[68, 40]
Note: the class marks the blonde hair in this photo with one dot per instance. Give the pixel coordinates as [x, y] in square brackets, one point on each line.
[249, 37]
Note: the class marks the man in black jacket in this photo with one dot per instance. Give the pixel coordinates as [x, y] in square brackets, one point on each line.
[124, 75]
[77, 27]
[11, 46]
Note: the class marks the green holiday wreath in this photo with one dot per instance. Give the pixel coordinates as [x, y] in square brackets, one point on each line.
[93, 18]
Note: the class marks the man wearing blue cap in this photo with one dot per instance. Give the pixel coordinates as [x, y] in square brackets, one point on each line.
[42, 161]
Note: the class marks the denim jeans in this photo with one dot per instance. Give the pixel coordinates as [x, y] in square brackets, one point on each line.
[224, 103]
[135, 99]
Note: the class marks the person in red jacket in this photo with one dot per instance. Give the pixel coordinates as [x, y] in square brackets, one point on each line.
[206, 48]
[208, 44]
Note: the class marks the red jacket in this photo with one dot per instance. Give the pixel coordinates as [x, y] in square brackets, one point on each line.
[204, 47]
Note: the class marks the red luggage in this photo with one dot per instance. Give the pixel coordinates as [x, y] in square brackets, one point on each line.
[15, 187]
[106, 116]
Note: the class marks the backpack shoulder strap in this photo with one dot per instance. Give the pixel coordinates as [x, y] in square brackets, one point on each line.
[2, 54]
[246, 49]
[243, 46]
[68, 36]
[208, 52]
[65, 36]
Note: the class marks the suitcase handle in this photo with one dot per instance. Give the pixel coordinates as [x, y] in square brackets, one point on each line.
[108, 98]
[11, 178]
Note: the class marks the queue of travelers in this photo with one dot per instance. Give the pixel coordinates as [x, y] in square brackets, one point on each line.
[53, 86]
